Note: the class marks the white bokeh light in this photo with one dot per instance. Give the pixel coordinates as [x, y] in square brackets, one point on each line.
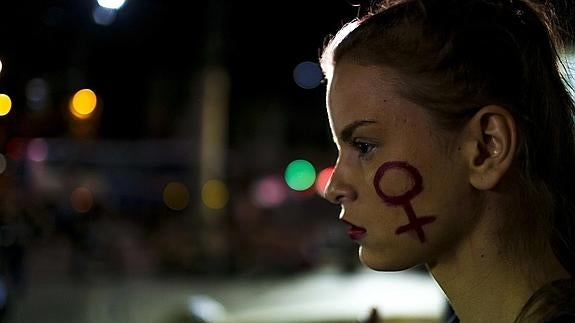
[111, 4]
[104, 16]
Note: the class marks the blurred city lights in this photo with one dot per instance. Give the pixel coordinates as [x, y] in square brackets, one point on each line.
[16, 148]
[5, 104]
[111, 4]
[307, 75]
[305, 194]
[176, 196]
[269, 192]
[3, 164]
[37, 93]
[322, 180]
[205, 309]
[300, 175]
[215, 194]
[81, 200]
[104, 16]
[83, 104]
[37, 150]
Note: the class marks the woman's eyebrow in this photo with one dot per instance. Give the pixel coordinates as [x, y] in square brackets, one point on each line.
[347, 132]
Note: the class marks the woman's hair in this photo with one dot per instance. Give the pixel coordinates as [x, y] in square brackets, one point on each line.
[453, 57]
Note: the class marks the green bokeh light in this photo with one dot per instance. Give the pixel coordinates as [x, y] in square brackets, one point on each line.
[300, 175]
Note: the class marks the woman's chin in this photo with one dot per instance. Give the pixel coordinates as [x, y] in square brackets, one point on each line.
[385, 262]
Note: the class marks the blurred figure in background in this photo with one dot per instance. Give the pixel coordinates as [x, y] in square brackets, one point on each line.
[456, 150]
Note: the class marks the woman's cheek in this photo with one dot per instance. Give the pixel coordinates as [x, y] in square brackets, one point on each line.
[397, 183]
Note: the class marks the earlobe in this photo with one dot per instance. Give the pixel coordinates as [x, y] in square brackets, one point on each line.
[490, 146]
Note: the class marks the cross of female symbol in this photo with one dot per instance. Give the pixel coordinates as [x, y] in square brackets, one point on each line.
[415, 223]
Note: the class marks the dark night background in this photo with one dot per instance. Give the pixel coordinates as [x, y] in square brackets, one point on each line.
[163, 46]
[150, 69]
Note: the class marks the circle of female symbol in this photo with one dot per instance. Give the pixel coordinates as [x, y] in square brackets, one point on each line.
[415, 223]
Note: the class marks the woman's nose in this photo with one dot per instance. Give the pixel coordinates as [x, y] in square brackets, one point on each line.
[338, 190]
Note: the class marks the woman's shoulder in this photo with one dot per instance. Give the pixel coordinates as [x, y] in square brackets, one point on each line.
[554, 303]
[560, 299]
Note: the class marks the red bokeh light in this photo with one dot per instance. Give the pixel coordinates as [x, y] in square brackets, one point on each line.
[322, 180]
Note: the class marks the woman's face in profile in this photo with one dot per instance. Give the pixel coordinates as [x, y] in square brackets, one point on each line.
[401, 181]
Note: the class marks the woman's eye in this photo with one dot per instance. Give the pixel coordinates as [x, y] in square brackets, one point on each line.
[363, 147]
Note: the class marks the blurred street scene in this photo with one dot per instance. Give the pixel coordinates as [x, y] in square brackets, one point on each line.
[164, 162]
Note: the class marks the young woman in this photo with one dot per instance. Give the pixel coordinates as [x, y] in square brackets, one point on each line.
[456, 150]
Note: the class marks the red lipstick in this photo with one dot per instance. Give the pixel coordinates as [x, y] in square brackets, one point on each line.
[354, 232]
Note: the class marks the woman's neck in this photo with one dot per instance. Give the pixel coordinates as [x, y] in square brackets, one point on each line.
[485, 284]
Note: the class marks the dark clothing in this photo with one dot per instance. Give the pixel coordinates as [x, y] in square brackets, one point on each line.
[555, 303]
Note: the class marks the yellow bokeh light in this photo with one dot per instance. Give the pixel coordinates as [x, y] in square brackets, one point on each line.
[215, 194]
[5, 104]
[81, 200]
[176, 196]
[83, 103]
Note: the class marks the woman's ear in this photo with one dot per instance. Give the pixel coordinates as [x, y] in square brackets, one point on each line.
[490, 145]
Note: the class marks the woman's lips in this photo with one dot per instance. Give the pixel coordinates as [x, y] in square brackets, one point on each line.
[354, 232]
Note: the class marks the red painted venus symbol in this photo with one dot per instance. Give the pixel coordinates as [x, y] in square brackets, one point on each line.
[415, 223]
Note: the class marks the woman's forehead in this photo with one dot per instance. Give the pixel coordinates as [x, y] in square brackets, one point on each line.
[364, 92]
[351, 82]
[358, 93]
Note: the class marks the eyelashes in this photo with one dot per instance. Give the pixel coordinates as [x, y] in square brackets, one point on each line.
[363, 148]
